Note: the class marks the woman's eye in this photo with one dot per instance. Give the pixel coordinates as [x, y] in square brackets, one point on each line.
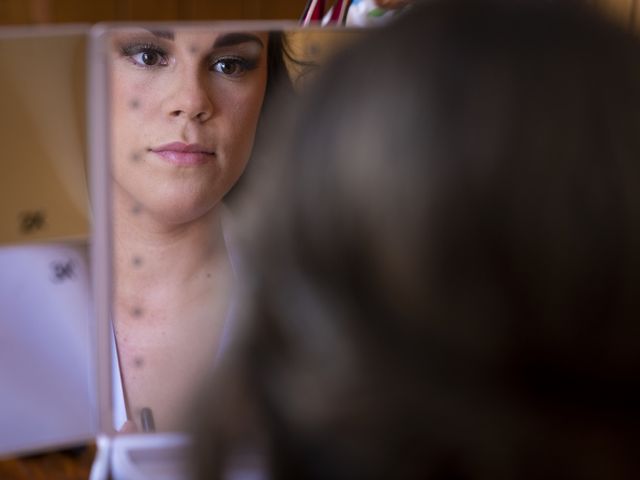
[230, 66]
[149, 58]
[145, 55]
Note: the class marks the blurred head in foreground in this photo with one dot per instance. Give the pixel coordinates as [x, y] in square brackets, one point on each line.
[444, 271]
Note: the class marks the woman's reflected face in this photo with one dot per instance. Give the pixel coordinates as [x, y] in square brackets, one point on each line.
[185, 107]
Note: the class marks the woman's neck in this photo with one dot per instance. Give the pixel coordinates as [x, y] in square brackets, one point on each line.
[172, 295]
[156, 261]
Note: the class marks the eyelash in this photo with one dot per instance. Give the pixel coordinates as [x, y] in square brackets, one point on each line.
[244, 64]
[132, 50]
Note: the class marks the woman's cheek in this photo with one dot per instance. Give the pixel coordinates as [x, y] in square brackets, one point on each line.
[245, 125]
[250, 108]
[132, 91]
[132, 117]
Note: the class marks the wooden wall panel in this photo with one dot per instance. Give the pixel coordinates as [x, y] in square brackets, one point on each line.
[15, 12]
[62, 11]
[212, 9]
[67, 11]
[56, 11]
[243, 9]
[90, 11]
[148, 9]
[281, 9]
[251, 8]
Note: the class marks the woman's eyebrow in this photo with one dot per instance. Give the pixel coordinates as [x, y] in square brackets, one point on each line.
[231, 39]
[224, 40]
[167, 34]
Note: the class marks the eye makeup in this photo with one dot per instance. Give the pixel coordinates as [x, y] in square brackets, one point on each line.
[232, 65]
[144, 54]
[235, 60]
[232, 55]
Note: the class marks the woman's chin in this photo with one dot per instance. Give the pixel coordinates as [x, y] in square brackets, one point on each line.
[178, 205]
[168, 211]
[181, 214]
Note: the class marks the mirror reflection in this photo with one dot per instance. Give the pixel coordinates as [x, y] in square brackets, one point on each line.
[46, 361]
[185, 106]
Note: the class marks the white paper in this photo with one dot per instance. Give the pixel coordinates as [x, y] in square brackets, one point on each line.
[46, 363]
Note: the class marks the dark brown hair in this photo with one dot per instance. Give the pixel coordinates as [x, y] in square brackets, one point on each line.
[279, 86]
[443, 274]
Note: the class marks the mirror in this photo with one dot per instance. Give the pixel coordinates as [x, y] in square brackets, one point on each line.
[46, 358]
[183, 105]
[185, 112]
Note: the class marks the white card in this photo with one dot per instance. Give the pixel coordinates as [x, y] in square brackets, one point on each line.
[46, 363]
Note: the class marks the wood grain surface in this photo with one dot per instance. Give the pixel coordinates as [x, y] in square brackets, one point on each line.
[73, 464]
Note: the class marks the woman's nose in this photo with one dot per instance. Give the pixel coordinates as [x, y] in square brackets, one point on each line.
[190, 98]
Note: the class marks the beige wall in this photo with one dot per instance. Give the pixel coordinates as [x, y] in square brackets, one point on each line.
[60, 11]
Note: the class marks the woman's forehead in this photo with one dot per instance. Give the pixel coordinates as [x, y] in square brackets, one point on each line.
[221, 39]
[208, 37]
[196, 41]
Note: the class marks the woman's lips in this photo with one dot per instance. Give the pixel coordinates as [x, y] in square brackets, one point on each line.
[179, 153]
